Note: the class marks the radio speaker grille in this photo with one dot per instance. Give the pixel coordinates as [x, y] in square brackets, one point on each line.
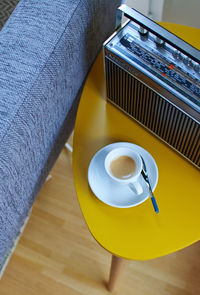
[153, 111]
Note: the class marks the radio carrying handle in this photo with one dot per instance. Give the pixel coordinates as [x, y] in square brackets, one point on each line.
[157, 30]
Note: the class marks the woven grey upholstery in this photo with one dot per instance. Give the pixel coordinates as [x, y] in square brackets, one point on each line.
[46, 50]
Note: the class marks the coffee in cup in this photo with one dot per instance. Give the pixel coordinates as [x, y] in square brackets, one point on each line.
[124, 166]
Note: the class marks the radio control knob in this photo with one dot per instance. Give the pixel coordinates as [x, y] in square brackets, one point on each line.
[177, 54]
[174, 53]
[159, 41]
[196, 67]
[143, 31]
[186, 61]
[190, 63]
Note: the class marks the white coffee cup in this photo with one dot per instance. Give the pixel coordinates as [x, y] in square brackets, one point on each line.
[133, 180]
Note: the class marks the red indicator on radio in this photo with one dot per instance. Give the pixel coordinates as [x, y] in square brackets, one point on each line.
[171, 66]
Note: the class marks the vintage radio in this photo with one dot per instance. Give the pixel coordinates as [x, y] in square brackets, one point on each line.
[154, 77]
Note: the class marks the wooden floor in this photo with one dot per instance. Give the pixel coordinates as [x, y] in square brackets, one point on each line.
[57, 255]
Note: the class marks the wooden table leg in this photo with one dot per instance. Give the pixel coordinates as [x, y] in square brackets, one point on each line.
[116, 269]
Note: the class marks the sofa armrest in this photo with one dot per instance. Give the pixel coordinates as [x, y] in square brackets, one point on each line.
[46, 50]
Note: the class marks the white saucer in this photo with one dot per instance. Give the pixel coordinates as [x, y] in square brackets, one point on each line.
[117, 195]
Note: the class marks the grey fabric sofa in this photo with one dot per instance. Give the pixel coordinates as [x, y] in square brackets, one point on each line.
[46, 50]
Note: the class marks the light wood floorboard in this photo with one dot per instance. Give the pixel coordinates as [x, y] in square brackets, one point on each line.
[57, 255]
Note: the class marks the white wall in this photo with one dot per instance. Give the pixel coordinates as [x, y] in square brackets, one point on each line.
[141, 5]
[186, 12]
[151, 8]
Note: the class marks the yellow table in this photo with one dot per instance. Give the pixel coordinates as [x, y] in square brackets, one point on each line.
[134, 233]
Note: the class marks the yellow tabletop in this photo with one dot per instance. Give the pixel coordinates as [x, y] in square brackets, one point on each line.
[137, 232]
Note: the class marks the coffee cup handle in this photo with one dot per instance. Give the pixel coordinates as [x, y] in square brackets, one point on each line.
[136, 187]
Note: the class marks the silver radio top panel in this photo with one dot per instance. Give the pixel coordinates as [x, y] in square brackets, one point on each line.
[159, 60]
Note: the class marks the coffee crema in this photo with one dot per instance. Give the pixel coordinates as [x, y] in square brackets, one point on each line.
[123, 167]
